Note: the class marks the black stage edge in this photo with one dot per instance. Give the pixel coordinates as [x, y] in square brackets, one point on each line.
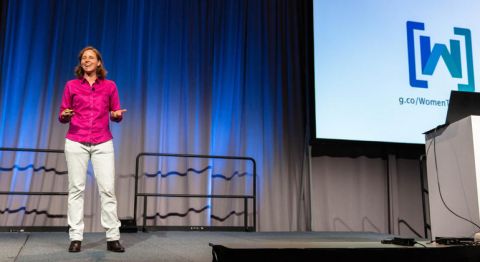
[350, 148]
[404, 254]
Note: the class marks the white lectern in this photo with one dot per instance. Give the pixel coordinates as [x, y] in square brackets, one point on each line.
[453, 168]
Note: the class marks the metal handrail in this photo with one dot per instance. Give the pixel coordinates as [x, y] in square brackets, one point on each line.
[44, 193]
[37, 150]
[145, 195]
[253, 196]
[33, 193]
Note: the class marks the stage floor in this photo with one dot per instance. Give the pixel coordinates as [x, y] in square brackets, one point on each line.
[174, 245]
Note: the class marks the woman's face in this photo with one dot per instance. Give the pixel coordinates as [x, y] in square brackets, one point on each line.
[89, 62]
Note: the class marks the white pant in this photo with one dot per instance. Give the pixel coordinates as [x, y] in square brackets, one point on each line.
[102, 156]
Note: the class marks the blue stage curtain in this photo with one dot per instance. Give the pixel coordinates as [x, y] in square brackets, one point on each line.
[218, 77]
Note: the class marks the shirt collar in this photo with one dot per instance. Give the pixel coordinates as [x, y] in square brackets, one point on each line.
[83, 80]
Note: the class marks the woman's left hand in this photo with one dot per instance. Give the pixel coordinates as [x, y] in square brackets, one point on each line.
[118, 113]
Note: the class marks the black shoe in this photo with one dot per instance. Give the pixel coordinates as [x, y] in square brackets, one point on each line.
[115, 246]
[75, 246]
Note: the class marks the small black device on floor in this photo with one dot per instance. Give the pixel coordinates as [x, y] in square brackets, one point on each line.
[400, 241]
[456, 241]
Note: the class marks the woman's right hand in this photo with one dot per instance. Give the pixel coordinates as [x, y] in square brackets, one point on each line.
[67, 113]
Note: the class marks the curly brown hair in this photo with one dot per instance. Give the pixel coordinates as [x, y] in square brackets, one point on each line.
[101, 71]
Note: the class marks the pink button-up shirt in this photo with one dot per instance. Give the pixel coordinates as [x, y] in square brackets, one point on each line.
[91, 106]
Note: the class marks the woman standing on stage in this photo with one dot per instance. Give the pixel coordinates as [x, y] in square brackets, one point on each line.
[88, 102]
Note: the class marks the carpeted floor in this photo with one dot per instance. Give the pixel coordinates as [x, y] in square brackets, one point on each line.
[168, 245]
